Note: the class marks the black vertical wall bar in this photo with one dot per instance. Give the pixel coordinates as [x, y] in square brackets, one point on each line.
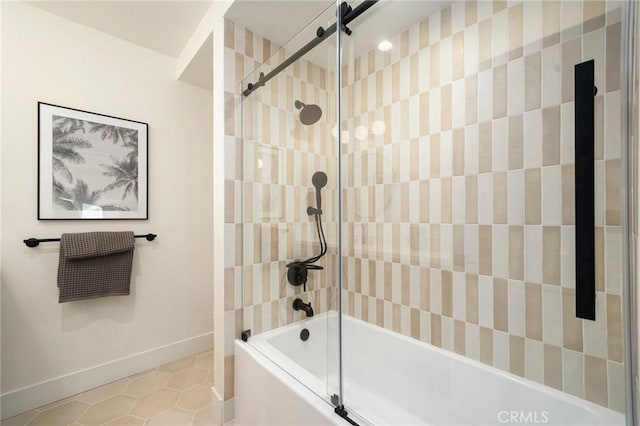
[585, 191]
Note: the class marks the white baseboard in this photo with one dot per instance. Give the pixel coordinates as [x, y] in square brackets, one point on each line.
[33, 396]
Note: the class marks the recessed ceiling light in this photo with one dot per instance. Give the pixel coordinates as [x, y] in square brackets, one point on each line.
[385, 45]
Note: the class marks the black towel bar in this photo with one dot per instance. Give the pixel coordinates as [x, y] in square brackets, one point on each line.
[34, 242]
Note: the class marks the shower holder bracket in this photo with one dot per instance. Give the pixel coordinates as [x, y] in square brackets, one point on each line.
[245, 335]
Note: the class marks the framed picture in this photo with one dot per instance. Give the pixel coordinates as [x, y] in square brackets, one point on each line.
[91, 166]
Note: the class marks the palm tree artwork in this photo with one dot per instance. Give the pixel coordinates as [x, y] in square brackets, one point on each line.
[67, 139]
[114, 133]
[95, 166]
[125, 173]
[78, 197]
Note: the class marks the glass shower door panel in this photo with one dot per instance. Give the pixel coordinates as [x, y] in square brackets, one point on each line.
[289, 210]
[459, 212]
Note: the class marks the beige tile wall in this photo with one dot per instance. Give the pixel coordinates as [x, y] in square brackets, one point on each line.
[459, 217]
[459, 181]
[271, 158]
[280, 156]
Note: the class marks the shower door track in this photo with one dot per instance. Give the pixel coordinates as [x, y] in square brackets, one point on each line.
[345, 415]
[321, 35]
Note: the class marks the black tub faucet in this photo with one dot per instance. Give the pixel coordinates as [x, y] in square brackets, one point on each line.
[299, 305]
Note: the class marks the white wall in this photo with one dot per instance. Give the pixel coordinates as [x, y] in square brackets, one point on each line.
[169, 313]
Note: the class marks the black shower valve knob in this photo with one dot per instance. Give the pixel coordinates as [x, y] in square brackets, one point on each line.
[297, 273]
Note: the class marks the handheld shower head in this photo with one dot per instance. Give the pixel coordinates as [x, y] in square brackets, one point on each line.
[297, 271]
[319, 180]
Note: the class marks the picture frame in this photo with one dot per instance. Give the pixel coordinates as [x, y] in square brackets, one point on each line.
[91, 166]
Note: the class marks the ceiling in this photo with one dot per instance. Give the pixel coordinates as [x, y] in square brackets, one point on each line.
[166, 26]
[163, 26]
[200, 70]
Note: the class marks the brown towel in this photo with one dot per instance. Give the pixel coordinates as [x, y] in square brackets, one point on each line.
[95, 264]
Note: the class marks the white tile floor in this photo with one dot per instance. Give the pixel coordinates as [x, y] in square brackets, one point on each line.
[175, 394]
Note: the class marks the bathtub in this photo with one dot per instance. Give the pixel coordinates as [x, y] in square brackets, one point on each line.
[390, 379]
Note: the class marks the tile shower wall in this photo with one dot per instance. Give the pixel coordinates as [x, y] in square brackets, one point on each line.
[459, 200]
[270, 158]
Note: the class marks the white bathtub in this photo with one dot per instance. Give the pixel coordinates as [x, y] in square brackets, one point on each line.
[390, 379]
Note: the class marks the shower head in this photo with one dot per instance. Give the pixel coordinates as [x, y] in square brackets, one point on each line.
[319, 180]
[309, 114]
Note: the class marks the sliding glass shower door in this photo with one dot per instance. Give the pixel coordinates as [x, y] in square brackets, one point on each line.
[451, 172]
[289, 206]
[482, 209]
